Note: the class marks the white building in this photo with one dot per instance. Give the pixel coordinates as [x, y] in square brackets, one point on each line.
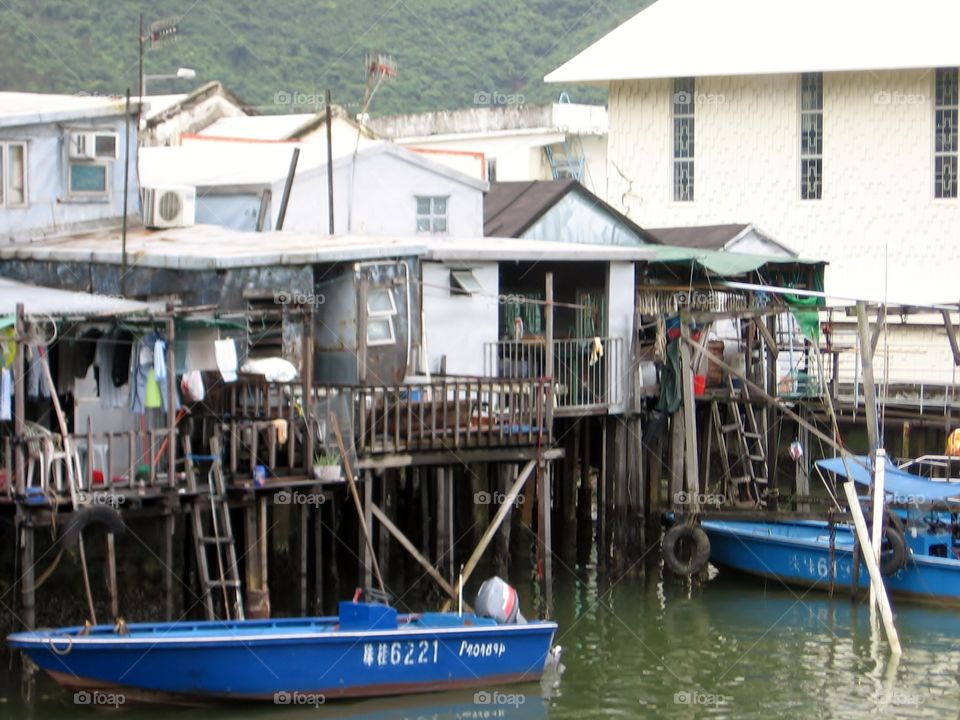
[62, 163]
[831, 125]
[380, 189]
[510, 142]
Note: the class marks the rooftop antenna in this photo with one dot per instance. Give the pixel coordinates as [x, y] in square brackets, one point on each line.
[158, 34]
[378, 66]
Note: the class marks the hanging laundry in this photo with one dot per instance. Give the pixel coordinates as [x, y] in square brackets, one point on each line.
[160, 358]
[122, 351]
[152, 398]
[226, 352]
[37, 388]
[6, 394]
[84, 352]
[111, 396]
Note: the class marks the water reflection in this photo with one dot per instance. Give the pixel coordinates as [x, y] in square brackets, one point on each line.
[652, 647]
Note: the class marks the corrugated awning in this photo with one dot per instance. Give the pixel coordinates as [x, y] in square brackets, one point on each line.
[724, 264]
[899, 486]
[39, 300]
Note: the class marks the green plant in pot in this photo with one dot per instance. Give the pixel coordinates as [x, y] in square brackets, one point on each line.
[326, 466]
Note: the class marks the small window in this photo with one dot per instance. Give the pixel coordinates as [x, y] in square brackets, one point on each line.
[381, 308]
[432, 215]
[811, 136]
[105, 145]
[380, 331]
[13, 174]
[683, 138]
[464, 282]
[946, 147]
[491, 169]
[88, 178]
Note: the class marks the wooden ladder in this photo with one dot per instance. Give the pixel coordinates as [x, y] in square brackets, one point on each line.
[740, 439]
[214, 541]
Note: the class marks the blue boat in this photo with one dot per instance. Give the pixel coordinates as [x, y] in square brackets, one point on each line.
[369, 650]
[798, 552]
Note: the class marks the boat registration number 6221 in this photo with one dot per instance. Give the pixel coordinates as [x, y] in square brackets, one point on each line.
[410, 652]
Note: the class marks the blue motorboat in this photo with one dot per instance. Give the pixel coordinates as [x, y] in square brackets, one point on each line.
[920, 555]
[368, 650]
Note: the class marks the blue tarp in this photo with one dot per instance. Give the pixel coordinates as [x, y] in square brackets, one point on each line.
[899, 486]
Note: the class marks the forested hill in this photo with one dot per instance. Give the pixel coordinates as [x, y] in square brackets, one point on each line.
[448, 53]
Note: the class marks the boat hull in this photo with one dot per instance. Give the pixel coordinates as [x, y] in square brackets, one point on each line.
[798, 553]
[288, 662]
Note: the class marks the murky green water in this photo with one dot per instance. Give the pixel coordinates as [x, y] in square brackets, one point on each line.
[642, 647]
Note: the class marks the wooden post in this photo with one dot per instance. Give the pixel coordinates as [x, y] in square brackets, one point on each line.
[19, 401]
[584, 498]
[303, 544]
[112, 573]
[306, 357]
[168, 530]
[567, 495]
[602, 536]
[676, 479]
[548, 326]
[502, 512]
[28, 611]
[366, 547]
[546, 537]
[171, 406]
[318, 560]
[866, 366]
[689, 407]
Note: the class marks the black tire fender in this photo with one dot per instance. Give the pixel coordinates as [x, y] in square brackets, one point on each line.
[698, 558]
[90, 515]
[894, 553]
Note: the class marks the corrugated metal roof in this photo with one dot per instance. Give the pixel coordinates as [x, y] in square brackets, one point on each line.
[21, 108]
[709, 237]
[39, 300]
[690, 38]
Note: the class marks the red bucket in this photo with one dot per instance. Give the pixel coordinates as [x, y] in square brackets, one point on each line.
[699, 385]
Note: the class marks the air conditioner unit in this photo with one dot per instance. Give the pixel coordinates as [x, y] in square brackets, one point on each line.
[169, 207]
[88, 145]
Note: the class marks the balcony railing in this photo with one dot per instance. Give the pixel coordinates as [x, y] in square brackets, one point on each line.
[587, 372]
[447, 414]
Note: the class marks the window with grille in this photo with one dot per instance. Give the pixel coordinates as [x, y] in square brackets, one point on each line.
[683, 139]
[811, 136]
[945, 146]
[432, 214]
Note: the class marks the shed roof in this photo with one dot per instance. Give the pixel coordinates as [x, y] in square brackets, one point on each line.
[510, 208]
[39, 300]
[23, 108]
[291, 126]
[690, 38]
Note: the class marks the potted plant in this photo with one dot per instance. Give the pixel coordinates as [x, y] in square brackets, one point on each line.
[326, 466]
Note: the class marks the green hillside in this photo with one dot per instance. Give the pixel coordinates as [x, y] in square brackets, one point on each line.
[447, 51]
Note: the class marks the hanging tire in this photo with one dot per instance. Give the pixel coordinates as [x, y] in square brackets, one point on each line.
[893, 553]
[676, 539]
[90, 515]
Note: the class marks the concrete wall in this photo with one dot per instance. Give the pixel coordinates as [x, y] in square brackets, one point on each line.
[458, 325]
[877, 214]
[50, 208]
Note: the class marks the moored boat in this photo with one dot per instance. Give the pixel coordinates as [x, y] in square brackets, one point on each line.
[368, 650]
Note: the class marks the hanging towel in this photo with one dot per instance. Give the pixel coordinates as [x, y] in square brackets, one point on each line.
[6, 394]
[152, 396]
[111, 396]
[226, 352]
[37, 387]
[160, 358]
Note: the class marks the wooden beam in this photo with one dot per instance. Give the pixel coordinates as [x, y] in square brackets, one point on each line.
[767, 335]
[411, 548]
[498, 519]
[461, 457]
[866, 367]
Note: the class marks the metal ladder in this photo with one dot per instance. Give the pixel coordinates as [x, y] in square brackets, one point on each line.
[748, 470]
[214, 541]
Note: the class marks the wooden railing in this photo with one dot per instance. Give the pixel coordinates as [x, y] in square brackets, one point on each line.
[447, 414]
[587, 371]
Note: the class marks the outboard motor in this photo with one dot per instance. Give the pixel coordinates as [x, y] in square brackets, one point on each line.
[498, 599]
